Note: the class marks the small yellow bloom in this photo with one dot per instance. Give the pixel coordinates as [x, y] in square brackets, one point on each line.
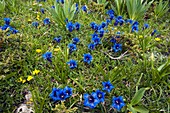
[38, 50]
[35, 72]
[29, 78]
[20, 79]
[157, 39]
[29, 20]
[140, 36]
[38, 17]
[31, 99]
[34, 3]
[23, 81]
[57, 49]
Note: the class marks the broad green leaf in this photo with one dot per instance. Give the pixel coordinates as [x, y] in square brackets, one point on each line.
[138, 96]
[141, 109]
[131, 108]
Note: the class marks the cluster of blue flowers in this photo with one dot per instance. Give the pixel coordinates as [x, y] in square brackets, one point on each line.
[59, 94]
[7, 26]
[87, 58]
[93, 99]
[46, 21]
[70, 26]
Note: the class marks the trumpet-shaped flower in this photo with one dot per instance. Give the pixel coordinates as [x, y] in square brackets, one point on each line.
[70, 26]
[117, 47]
[47, 56]
[87, 58]
[72, 47]
[91, 100]
[107, 86]
[75, 40]
[100, 95]
[68, 91]
[72, 64]
[118, 103]
[46, 21]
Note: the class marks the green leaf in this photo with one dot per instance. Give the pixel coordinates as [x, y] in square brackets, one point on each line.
[138, 96]
[141, 109]
[131, 108]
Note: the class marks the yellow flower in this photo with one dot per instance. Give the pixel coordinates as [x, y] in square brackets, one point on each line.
[35, 72]
[157, 39]
[57, 49]
[29, 78]
[34, 3]
[31, 99]
[38, 50]
[140, 36]
[23, 81]
[29, 20]
[38, 17]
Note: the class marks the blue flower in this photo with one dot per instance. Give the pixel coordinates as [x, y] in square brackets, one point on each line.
[57, 39]
[62, 1]
[14, 31]
[113, 40]
[7, 21]
[46, 21]
[154, 31]
[70, 26]
[53, 7]
[146, 26]
[103, 24]
[84, 8]
[5, 27]
[101, 32]
[121, 21]
[116, 22]
[95, 39]
[72, 64]
[68, 91]
[100, 95]
[91, 46]
[75, 40]
[54, 95]
[136, 23]
[110, 12]
[117, 47]
[91, 100]
[72, 47]
[47, 56]
[42, 10]
[77, 7]
[35, 24]
[135, 28]
[112, 17]
[107, 86]
[93, 25]
[87, 58]
[77, 26]
[108, 21]
[118, 103]
[129, 21]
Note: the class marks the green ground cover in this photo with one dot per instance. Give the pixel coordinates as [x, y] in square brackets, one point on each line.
[74, 56]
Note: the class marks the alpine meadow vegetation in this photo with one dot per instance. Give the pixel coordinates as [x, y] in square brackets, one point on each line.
[84, 56]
